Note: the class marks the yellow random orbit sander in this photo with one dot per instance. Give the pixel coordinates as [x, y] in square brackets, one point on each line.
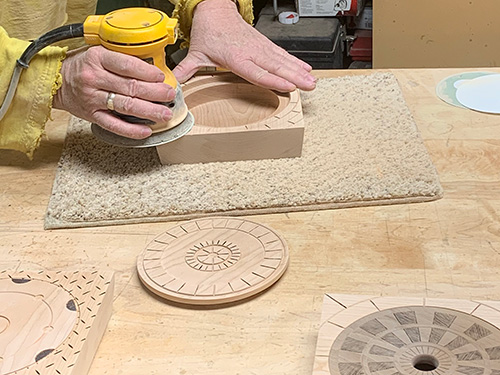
[140, 32]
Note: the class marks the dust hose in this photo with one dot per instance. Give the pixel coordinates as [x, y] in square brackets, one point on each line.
[74, 30]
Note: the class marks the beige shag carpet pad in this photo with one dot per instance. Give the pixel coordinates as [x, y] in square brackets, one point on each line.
[361, 147]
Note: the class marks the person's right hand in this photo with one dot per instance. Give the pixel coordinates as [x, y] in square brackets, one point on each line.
[89, 75]
[221, 38]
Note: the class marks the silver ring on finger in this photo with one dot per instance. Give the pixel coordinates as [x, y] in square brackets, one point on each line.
[109, 101]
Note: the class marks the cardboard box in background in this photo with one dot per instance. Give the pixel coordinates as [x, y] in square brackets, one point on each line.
[436, 34]
[329, 8]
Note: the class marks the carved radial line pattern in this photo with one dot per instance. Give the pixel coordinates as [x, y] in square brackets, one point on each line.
[213, 256]
[214, 260]
[417, 340]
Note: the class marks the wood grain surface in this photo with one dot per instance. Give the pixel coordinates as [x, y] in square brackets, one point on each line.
[447, 249]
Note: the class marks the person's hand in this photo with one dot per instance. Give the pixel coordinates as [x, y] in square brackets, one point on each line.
[88, 76]
[220, 37]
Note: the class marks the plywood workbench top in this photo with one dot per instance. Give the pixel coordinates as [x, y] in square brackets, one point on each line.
[449, 248]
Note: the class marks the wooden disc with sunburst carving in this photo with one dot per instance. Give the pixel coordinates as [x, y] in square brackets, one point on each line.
[212, 261]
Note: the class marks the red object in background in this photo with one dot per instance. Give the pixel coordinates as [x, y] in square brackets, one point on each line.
[354, 8]
[361, 49]
[353, 11]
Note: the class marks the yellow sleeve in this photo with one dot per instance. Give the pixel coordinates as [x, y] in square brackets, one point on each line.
[184, 13]
[78, 11]
[28, 19]
[23, 125]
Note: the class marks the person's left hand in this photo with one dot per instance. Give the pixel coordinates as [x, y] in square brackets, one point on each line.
[221, 38]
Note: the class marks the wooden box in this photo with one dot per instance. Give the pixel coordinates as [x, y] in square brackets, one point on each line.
[235, 120]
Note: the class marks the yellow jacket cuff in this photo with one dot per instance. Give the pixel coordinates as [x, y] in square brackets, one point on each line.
[23, 125]
[184, 10]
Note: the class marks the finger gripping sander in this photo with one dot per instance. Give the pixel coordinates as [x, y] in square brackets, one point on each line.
[144, 33]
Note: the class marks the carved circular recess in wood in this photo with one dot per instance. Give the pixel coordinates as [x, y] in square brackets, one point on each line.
[417, 340]
[225, 101]
[35, 318]
[213, 261]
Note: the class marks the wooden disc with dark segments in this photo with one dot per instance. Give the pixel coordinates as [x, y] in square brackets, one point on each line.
[382, 335]
[35, 318]
[212, 261]
[415, 340]
[51, 322]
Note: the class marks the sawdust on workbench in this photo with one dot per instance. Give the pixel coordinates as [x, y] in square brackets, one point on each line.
[361, 147]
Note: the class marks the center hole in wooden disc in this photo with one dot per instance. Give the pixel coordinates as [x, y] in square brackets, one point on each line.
[425, 362]
[222, 106]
